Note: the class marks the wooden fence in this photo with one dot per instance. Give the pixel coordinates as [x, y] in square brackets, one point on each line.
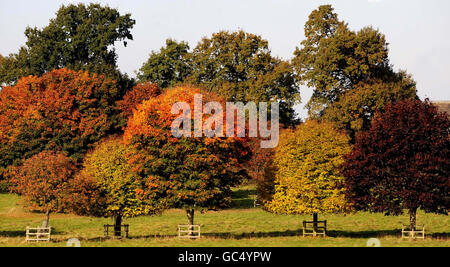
[38, 234]
[124, 231]
[413, 234]
[320, 230]
[189, 231]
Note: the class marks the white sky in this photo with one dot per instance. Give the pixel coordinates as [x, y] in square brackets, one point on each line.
[417, 30]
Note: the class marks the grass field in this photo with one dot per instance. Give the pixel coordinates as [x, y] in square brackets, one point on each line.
[242, 225]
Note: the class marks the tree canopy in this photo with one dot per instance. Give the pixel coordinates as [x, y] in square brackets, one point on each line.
[334, 60]
[81, 37]
[307, 178]
[134, 97]
[169, 66]
[402, 162]
[43, 181]
[187, 173]
[63, 110]
[108, 171]
[355, 109]
[237, 66]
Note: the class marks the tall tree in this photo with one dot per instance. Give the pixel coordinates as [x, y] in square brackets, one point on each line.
[187, 173]
[63, 110]
[169, 66]
[334, 59]
[239, 67]
[107, 170]
[43, 181]
[402, 162]
[307, 178]
[81, 37]
[355, 109]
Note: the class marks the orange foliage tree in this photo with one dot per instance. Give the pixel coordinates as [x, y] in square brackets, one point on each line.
[187, 173]
[134, 97]
[43, 181]
[63, 110]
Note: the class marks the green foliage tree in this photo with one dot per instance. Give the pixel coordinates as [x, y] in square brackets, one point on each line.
[334, 59]
[307, 178]
[355, 109]
[108, 171]
[167, 67]
[81, 37]
[239, 67]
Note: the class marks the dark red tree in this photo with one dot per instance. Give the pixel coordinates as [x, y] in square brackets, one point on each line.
[402, 162]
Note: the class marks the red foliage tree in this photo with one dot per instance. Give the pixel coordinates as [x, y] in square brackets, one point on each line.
[402, 162]
[134, 97]
[43, 181]
[261, 157]
[63, 110]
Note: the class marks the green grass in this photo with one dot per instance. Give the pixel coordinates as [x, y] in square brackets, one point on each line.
[242, 225]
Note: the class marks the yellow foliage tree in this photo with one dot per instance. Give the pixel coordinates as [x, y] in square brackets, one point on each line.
[307, 179]
[109, 185]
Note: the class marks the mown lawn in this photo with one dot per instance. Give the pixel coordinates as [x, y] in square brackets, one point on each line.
[242, 225]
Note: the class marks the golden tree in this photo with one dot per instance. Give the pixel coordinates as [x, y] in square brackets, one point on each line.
[107, 186]
[307, 179]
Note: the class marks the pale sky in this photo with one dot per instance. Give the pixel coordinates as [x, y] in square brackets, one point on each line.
[417, 30]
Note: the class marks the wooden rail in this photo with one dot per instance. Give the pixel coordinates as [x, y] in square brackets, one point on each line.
[123, 233]
[189, 231]
[413, 234]
[38, 234]
[320, 230]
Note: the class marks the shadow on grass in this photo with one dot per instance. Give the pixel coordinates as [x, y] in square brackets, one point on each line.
[228, 235]
[288, 233]
[332, 233]
[364, 234]
[23, 233]
[12, 233]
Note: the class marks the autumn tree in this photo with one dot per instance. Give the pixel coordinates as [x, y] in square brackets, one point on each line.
[80, 37]
[134, 97]
[260, 169]
[354, 111]
[307, 177]
[43, 182]
[402, 162]
[334, 60]
[265, 185]
[190, 173]
[237, 66]
[108, 172]
[63, 110]
[167, 67]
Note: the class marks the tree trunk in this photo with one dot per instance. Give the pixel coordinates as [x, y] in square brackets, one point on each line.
[45, 224]
[118, 226]
[315, 222]
[412, 219]
[190, 215]
[47, 219]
